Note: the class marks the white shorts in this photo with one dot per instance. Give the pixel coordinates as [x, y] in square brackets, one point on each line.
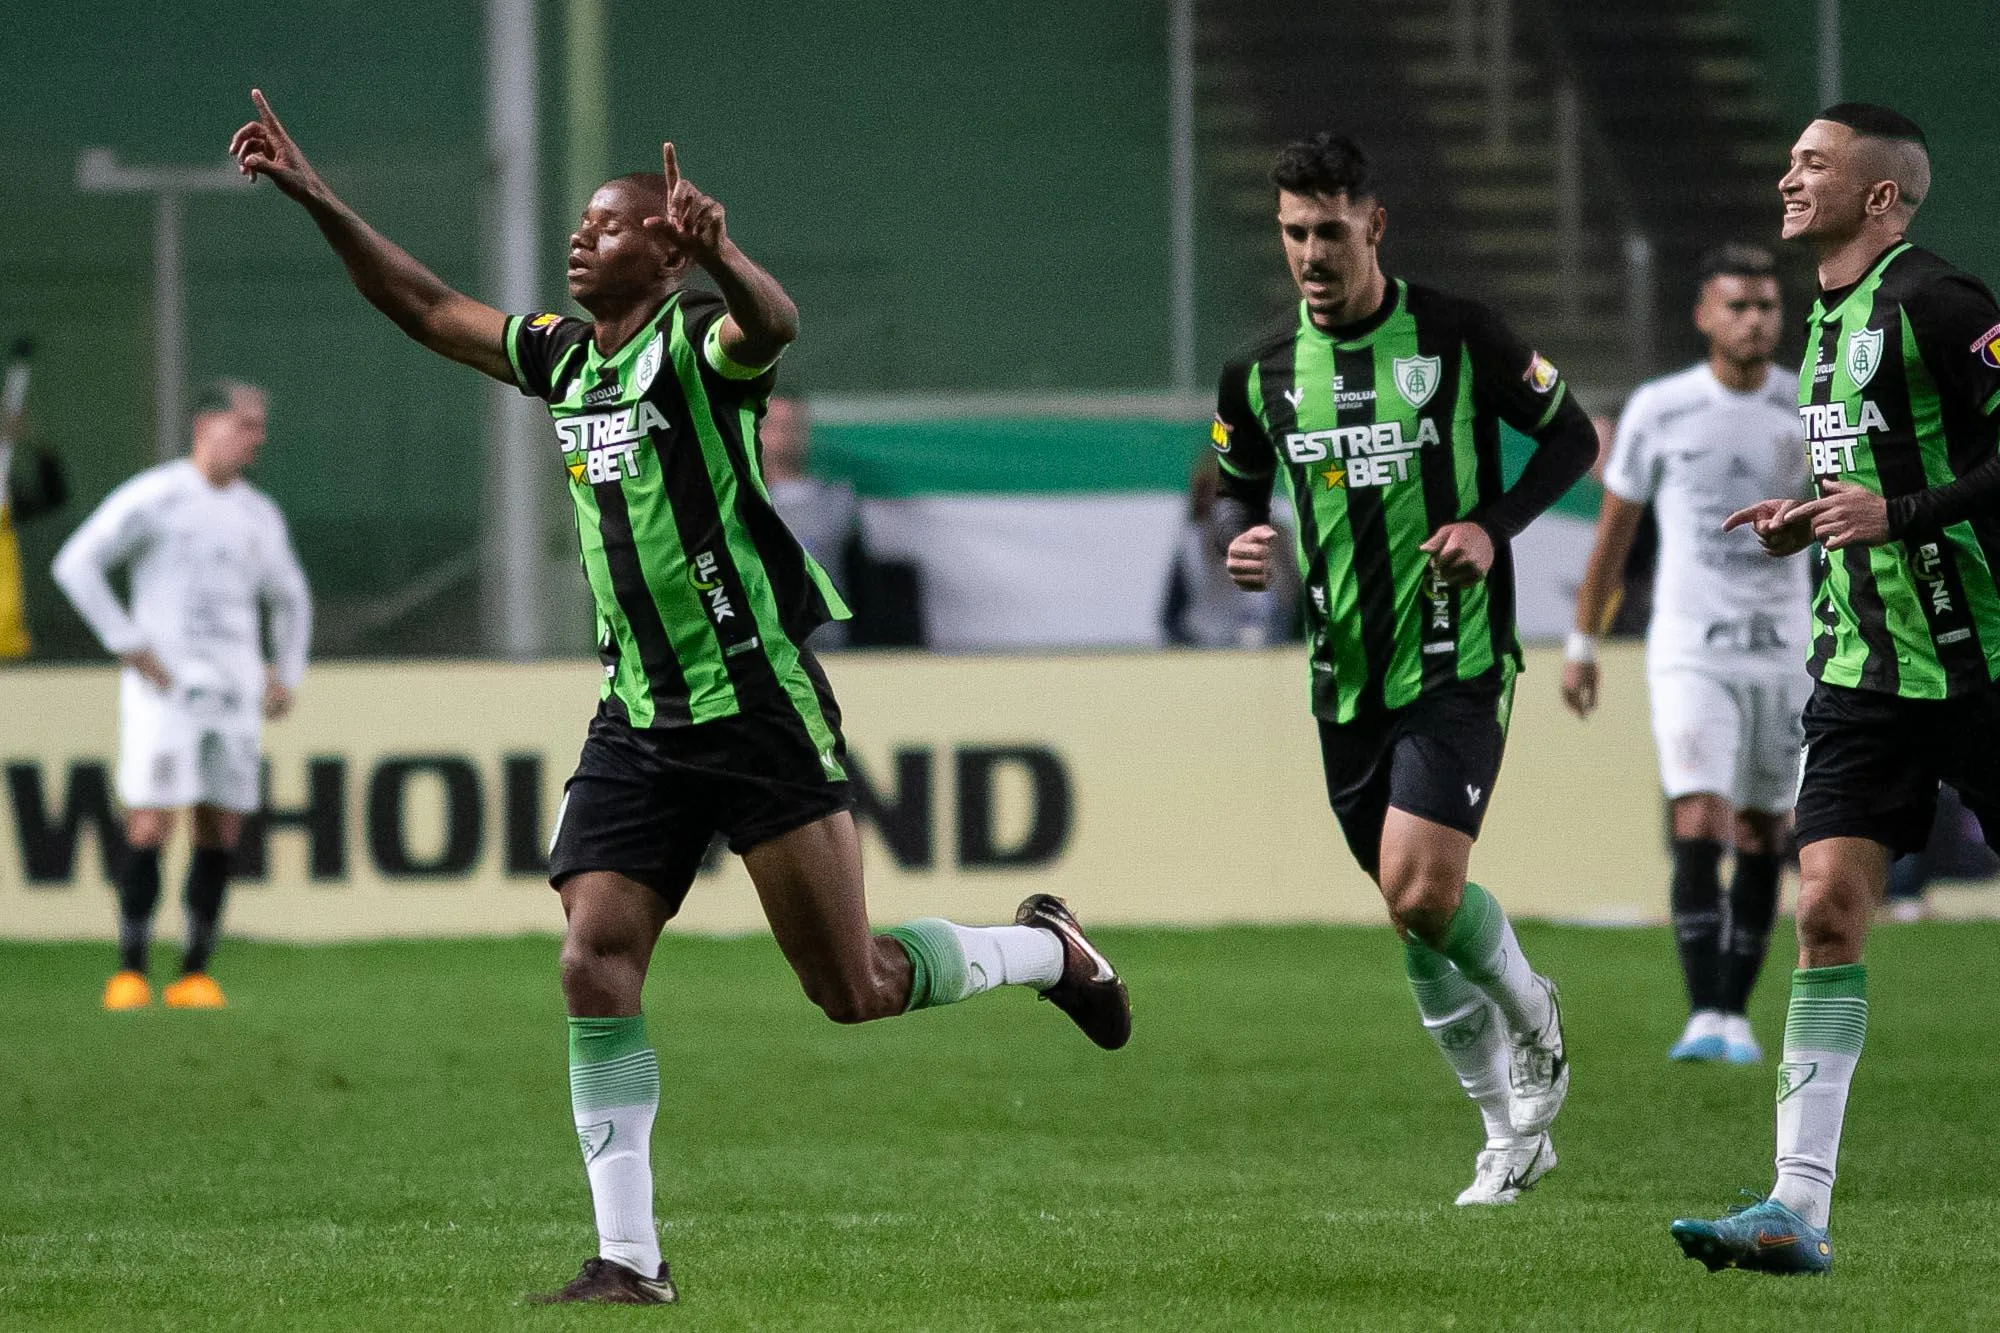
[172, 755]
[1734, 736]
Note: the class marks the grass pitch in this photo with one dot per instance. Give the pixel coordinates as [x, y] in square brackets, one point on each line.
[377, 1137]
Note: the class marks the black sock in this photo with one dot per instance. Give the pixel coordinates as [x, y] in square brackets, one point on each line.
[1753, 905]
[138, 895]
[1695, 898]
[208, 877]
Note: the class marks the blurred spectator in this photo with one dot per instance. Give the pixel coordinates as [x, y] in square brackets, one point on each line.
[31, 484]
[824, 515]
[1203, 608]
[1957, 850]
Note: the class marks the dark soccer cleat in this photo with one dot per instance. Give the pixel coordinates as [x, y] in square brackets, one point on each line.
[1766, 1237]
[1090, 991]
[603, 1282]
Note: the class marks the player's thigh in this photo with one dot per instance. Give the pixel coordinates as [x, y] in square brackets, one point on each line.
[625, 812]
[1868, 770]
[1355, 757]
[1699, 732]
[1446, 756]
[1768, 764]
[810, 884]
[158, 754]
[229, 771]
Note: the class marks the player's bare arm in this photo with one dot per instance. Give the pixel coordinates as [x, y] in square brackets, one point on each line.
[1248, 559]
[416, 299]
[1779, 528]
[762, 320]
[1597, 598]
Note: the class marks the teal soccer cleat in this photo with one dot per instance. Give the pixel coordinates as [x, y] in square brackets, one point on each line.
[1766, 1237]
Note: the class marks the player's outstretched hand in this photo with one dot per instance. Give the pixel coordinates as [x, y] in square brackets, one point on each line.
[277, 699]
[1779, 529]
[1579, 687]
[1248, 559]
[1845, 515]
[1461, 553]
[693, 223]
[263, 148]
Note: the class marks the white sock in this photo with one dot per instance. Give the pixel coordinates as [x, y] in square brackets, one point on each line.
[954, 962]
[614, 1102]
[1480, 942]
[1824, 1029]
[1471, 1036]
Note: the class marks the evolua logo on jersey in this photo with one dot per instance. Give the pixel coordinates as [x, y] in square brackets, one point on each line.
[1416, 378]
[1864, 354]
[604, 446]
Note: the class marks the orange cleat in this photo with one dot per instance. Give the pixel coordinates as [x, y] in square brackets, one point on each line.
[127, 990]
[196, 990]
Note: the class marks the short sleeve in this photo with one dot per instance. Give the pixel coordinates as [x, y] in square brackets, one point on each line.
[1958, 332]
[537, 346]
[1633, 470]
[1519, 384]
[725, 377]
[1242, 447]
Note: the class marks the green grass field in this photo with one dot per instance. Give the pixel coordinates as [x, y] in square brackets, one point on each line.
[377, 1137]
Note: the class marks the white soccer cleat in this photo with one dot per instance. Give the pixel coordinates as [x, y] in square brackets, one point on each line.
[1503, 1173]
[1538, 1070]
[1739, 1043]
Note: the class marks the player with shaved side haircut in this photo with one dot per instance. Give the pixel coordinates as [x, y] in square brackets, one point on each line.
[713, 715]
[1898, 396]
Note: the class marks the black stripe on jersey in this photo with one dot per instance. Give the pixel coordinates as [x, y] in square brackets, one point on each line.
[1879, 671]
[635, 599]
[1825, 618]
[1440, 601]
[1276, 374]
[1374, 568]
[1500, 578]
[697, 515]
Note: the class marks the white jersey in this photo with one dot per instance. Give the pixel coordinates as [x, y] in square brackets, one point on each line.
[203, 560]
[1698, 452]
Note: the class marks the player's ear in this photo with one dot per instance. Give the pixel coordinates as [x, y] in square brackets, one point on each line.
[1378, 224]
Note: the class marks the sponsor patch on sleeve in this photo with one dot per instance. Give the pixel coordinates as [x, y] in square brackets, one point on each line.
[1218, 435]
[1541, 374]
[1988, 347]
[543, 321]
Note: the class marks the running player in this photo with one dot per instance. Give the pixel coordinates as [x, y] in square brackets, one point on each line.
[714, 717]
[1725, 650]
[1897, 393]
[206, 550]
[1380, 410]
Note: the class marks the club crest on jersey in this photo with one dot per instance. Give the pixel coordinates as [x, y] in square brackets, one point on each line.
[649, 363]
[1416, 378]
[1988, 347]
[1864, 354]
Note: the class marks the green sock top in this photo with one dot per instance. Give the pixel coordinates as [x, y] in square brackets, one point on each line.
[592, 1041]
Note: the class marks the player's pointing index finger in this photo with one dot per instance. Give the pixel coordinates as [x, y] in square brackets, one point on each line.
[264, 112]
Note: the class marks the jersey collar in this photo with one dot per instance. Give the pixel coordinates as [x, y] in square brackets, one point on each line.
[595, 360]
[1362, 332]
[1825, 313]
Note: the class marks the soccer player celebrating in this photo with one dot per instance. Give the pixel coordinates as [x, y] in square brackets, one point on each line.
[1380, 411]
[206, 551]
[1897, 394]
[1725, 650]
[713, 716]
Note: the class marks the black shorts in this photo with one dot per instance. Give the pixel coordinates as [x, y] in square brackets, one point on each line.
[646, 802]
[1435, 758]
[1873, 762]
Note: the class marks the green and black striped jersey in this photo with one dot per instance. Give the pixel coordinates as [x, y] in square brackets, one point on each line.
[1383, 432]
[1897, 390]
[703, 597]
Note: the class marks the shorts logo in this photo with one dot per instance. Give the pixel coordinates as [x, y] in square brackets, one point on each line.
[1472, 794]
[1218, 435]
[1541, 375]
[1416, 378]
[1864, 355]
[1988, 347]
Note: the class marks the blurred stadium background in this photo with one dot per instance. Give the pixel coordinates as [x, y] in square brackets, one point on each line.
[1023, 237]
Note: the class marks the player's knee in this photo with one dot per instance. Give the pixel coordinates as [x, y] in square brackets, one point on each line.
[846, 1002]
[1421, 896]
[594, 965]
[1832, 920]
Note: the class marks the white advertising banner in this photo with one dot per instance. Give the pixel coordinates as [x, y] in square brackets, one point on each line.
[1166, 787]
